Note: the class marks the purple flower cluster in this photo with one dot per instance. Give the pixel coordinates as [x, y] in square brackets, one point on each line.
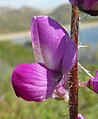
[55, 55]
[88, 6]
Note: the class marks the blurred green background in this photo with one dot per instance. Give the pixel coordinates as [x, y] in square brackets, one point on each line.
[15, 50]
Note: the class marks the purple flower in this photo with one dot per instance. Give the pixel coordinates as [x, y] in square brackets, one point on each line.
[55, 54]
[60, 91]
[80, 117]
[88, 6]
[93, 83]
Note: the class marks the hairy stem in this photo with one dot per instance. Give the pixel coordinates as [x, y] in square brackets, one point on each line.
[85, 70]
[73, 80]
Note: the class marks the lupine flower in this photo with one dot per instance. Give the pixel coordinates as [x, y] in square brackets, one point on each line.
[55, 55]
[88, 6]
[93, 83]
[80, 117]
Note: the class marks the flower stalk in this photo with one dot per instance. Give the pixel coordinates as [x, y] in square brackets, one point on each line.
[83, 84]
[73, 80]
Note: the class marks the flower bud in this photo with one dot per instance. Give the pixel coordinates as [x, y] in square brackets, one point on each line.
[80, 117]
[93, 83]
[88, 6]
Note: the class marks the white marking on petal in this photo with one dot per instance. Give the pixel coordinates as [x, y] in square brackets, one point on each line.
[37, 51]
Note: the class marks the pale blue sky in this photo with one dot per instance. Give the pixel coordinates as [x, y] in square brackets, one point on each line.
[43, 4]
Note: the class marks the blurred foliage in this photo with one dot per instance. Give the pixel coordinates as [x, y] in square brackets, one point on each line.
[15, 54]
[12, 107]
[63, 15]
[12, 20]
[88, 55]
[15, 20]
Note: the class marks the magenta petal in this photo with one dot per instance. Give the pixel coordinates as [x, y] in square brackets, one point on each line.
[60, 91]
[33, 82]
[95, 82]
[88, 6]
[74, 2]
[80, 117]
[52, 44]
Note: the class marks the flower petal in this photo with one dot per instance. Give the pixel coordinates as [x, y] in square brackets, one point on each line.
[52, 44]
[74, 2]
[93, 83]
[80, 117]
[60, 91]
[88, 6]
[34, 82]
[94, 6]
